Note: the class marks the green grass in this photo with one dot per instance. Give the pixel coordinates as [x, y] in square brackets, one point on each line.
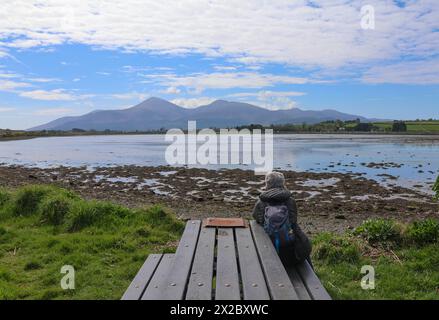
[406, 264]
[44, 228]
[379, 230]
[423, 232]
[383, 125]
[435, 189]
[425, 127]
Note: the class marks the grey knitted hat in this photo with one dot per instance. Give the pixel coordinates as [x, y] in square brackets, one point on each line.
[274, 180]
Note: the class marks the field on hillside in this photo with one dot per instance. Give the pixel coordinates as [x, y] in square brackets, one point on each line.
[413, 126]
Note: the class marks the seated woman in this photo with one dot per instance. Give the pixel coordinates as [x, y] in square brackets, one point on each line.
[276, 211]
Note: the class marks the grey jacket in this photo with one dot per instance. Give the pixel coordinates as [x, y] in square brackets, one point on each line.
[302, 245]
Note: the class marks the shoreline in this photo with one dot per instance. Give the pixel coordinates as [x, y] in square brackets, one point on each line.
[16, 138]
[326, 201]
[433, 135]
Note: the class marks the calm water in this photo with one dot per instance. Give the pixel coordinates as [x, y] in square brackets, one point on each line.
[419, 156]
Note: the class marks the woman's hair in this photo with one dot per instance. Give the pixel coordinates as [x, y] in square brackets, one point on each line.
[274, 180]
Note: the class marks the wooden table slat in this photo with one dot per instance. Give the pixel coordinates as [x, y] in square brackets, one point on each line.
[247, 266]
[315, 288]
[142, 278]
[158, 281]
[299, 286]
[227, 279]
[179, 273]
[277, 279]
[253, 281]
[200, 281]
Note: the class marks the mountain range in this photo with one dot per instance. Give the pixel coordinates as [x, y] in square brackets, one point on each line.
[156, 113]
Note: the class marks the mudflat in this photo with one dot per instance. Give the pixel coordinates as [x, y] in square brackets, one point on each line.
[326, 201]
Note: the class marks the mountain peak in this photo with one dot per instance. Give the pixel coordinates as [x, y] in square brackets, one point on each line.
[219, 101]
[154, 103]
[155, 99]
[231, 104]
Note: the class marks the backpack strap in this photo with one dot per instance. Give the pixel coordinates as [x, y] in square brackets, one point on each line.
[277, 242]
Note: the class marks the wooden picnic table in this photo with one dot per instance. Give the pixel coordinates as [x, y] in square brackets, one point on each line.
[219, 263]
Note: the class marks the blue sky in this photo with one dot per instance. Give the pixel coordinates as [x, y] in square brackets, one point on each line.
[59, 59]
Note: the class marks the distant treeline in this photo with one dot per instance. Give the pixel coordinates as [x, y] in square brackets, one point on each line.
[337, 126]
[430, 126]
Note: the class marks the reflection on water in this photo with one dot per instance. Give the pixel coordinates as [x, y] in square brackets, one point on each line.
[411, 160]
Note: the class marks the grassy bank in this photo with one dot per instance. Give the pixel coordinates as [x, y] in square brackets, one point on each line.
[7, 135]
[43, 228]
[405, 259]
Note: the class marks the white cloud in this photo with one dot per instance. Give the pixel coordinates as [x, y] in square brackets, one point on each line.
[52, 95]
[225, 80]
[411, 72]
[191, 103]
[9, 75]
[272, 100]
[254, 67]
[43, 80]
[326, 33]
[171, 90]
[139, 69]
[131, 69]
[224, 68]
[6, 109]
[267, 94]
[130, 96]
[277, 103]
[163, 68]
[53, 112]
[12, 86]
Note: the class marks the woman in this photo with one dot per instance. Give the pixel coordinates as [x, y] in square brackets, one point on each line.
[276, 211]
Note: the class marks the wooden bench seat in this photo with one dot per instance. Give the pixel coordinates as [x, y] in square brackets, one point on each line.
[223, 264]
